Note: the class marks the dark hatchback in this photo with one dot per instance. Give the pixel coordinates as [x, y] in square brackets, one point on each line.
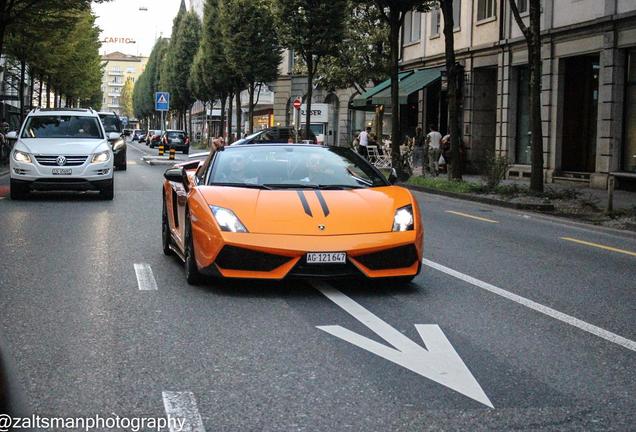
[177, 140]
[112, 123]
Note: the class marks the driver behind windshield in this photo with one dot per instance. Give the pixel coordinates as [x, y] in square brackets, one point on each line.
[235, 170]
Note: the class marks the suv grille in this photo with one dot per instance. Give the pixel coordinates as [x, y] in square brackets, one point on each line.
[70, 160]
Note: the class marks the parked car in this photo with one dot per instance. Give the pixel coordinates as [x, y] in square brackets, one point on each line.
[113, 124]
[153, 138]
[137, 133]
[278, 135]
[62, 149]
[176, 139]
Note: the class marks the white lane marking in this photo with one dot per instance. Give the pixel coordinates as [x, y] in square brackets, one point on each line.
[597, 331]
[439, 362]
[145, 278]
[183, 406]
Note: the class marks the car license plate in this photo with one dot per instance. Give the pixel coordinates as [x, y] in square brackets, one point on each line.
[62, 171]
[326, 258]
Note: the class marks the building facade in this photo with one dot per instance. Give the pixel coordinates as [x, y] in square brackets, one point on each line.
[589, 84]
[118, 69]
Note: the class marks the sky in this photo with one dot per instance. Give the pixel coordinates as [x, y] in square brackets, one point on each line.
[122, 19]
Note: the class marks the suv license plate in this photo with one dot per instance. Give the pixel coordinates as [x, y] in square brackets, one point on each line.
[61, 171]
[326, 258]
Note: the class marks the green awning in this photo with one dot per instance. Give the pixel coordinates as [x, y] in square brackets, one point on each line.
[364, 100]
[409, 85]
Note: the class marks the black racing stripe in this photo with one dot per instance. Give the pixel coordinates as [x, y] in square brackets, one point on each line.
[303, 200]
[323, 203]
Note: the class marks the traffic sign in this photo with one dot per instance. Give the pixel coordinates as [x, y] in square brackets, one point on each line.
[162, 101]
[297, 104]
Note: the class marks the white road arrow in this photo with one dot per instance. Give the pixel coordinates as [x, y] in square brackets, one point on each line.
[438, 362]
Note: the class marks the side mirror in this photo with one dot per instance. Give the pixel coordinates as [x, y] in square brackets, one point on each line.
[393, 177]
[13, 135]
[177, 175]
[113, 136]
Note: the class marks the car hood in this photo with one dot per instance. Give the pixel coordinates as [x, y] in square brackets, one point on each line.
[357, 211]
[64, 146]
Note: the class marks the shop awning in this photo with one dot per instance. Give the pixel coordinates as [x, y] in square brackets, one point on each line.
[409, 85]
[363, 101]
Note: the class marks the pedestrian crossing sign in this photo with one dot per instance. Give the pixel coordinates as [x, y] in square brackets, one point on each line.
[162, 101]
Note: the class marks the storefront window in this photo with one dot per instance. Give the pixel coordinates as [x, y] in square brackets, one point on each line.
[522, 150]
[629, 149]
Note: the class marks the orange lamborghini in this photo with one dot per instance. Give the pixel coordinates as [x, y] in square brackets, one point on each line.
[272, 211]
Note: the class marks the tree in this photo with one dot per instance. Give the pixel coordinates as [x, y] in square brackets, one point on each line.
[532, 34]
[251, 48]
[150, 82]
[314, 29]
[19, 14]
[393, 13]
[363, 56]
[453, 74]
[126, 99]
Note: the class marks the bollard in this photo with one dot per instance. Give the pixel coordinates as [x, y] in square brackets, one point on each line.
[160, 149]
[173, 153]
[611, 184]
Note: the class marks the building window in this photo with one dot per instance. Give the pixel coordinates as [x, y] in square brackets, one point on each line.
[522, 5]
[412, 27]
[485, 9]
[435, 22]
[457, 13]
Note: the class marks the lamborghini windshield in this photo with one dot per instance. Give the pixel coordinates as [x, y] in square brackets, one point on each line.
[293, 166]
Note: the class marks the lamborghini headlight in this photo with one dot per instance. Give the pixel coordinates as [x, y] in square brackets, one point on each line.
[403, 219]
[19, 156]
[101, 157]
[227, 220]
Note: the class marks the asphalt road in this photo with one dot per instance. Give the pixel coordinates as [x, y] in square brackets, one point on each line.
[541, 313]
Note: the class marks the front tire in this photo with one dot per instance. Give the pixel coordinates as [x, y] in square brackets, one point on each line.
[193, 277]
[19, 191]
[108, 192]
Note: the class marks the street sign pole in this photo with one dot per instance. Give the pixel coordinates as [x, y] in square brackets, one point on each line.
[162, 103]
[297, 105]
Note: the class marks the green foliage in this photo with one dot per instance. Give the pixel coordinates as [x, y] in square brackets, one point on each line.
[149, 81]
[126, 99]
[494, 169]
[363, 56]
[251, 47]
[444, 185]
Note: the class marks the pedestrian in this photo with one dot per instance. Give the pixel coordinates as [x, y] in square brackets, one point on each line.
[418, 151]
[434, 141]
[363, 139]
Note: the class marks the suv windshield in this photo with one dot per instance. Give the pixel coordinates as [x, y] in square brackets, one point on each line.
[62, 126]
[293, 166]
[111, 122]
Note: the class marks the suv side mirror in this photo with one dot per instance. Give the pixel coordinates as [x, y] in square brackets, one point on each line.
[177, 175]
[12, 135]
[114, 136]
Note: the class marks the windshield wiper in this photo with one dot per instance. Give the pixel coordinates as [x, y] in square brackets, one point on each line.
[338, 187]
[242, 185]
[290, 186]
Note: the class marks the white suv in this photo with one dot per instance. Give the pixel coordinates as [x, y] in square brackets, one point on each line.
[61, 149]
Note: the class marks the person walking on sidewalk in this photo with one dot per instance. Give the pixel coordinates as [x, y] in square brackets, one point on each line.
[363, 139]
[434, 140]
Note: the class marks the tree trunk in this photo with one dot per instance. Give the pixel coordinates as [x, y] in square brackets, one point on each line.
[31, 89]
[190, 123]
[2, 33]
[223, 102]
[453, 71]
[21, 91]
[41, 81]
[310, 92]
[239, 114]
[251, 90]
[48, 92]
[532, 34]
[229, 123]
[394, 42]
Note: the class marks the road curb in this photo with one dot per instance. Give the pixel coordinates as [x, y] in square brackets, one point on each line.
[483, 200]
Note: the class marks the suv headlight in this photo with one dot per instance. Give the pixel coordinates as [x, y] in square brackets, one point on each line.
[403, 219]
[20, 156]
[227, 220]
[100, 157]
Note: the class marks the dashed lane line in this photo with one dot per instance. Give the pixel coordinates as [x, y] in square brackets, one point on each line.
[587, 327]
[145, 278]
[466, 215]
[183, 406]
[599, 246]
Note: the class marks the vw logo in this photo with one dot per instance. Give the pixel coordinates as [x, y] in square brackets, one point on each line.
[61, 160]
[321, 227]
